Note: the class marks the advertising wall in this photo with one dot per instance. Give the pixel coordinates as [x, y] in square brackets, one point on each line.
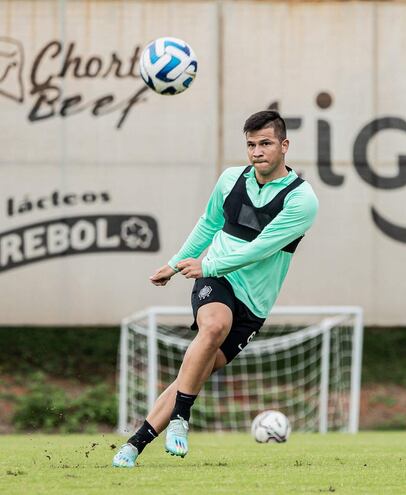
[101, 179]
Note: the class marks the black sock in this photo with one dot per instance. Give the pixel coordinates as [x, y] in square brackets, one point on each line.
[143, 436]
[182, 405]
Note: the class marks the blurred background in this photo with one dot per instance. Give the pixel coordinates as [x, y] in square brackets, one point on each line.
[101, 179]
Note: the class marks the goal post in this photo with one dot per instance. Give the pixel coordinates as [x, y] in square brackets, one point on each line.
[305, 361]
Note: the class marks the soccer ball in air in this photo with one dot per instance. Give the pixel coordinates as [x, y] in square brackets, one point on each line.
[168, 66]
[270, 426]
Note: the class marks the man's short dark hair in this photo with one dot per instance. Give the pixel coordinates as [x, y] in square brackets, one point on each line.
[265, 119]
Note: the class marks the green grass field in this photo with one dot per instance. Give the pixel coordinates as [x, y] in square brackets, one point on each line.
[367, 463]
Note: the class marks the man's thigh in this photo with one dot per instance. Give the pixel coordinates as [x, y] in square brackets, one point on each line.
[212, 298]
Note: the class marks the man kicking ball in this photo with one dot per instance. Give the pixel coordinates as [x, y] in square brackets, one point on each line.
[253, 222]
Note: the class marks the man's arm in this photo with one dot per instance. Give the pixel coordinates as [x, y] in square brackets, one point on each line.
[199, 239]
[209, 223]
[293, 221]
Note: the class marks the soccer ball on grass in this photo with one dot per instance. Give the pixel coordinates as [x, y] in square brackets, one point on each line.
[168, 66]
[271, 426]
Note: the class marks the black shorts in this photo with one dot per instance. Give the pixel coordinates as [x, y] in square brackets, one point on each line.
[245, 324]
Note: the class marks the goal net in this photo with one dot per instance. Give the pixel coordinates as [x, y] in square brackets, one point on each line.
[305, 362]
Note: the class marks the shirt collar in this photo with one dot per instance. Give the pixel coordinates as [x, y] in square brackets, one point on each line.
[282, 180]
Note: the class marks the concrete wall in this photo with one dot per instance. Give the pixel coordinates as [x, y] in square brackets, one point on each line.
[94, 166]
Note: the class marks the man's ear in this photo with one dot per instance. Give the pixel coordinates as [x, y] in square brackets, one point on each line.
[285, 145]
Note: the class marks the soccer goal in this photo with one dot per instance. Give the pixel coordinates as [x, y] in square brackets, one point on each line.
[305, 362]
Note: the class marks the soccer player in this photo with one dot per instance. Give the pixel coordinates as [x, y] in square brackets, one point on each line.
[253, 222]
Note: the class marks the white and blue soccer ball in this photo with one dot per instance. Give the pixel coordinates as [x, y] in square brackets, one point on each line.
[271, 426]
[168, 66]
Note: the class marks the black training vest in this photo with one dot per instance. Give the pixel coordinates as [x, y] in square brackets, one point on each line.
[245, 221]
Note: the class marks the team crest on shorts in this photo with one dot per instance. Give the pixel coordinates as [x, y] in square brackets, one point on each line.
[205, 292]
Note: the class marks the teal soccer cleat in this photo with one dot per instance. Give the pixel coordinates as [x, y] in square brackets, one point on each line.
[176, 437]
[126, 456]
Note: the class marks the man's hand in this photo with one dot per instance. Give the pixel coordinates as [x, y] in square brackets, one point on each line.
[190, 268]
[162, 275]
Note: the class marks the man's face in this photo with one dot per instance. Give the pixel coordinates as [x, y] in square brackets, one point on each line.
[265, 151]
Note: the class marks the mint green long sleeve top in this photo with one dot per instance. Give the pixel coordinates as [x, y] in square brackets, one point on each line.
[256, 269]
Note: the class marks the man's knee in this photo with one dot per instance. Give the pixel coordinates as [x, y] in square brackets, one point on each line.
[214, 331]
[214, 321]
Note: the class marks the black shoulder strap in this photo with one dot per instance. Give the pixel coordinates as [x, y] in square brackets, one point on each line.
[293, 185]
[236, 198]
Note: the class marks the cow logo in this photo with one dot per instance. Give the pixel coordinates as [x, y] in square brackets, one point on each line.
[136, 233]
[11, 69]
[205, 292]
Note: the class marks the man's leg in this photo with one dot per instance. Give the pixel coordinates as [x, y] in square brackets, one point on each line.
[214, 321]
[161, 412]
[158, 418]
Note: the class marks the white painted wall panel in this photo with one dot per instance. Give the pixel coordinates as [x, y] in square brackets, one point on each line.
[163, 160]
